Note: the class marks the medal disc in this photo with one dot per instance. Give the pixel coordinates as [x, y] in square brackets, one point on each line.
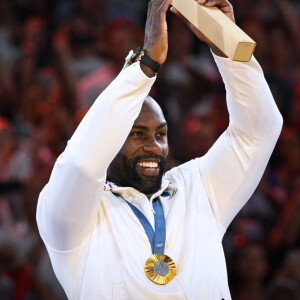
[160, 268]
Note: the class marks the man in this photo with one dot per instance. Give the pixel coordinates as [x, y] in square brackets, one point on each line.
[99, 233]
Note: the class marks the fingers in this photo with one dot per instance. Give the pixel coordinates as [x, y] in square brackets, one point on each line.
[156, 30]
[223, 5]
[164, 6]
[219, 3]
[213, 2]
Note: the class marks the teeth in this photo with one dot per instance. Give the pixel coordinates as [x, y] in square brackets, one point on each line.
[148, 164]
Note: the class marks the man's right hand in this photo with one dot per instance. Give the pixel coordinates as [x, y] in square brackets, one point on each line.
[156, 32]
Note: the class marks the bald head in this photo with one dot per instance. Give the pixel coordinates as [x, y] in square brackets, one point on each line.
[151, 104]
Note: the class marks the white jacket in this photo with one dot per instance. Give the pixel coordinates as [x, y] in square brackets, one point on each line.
[96, 244]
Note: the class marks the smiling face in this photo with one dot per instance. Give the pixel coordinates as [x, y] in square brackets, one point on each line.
[142, 160]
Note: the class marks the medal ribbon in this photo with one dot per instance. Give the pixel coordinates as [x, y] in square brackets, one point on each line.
[156, 238]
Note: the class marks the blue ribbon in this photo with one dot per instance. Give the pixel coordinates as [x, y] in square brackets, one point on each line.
[157, 239]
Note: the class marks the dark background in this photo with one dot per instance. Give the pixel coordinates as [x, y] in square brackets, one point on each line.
[57, 56]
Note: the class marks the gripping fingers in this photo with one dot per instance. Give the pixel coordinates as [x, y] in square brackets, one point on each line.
[214, 2]
[165, 5]
[218, 3]
[223, 5]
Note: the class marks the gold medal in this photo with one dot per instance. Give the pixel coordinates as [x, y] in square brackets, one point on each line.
[160, 268]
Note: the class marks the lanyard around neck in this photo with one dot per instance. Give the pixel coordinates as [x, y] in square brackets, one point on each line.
[159, 267]
[156, 238]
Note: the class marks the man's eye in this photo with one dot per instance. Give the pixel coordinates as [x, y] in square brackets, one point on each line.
[162, 133]
[136, 133]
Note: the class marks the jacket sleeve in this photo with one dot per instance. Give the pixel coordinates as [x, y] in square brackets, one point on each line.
[233, 167]
[68, 204]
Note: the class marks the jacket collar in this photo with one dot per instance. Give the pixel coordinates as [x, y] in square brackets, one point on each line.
[167, 189]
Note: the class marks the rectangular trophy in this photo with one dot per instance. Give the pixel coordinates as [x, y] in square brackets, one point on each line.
[218, 28]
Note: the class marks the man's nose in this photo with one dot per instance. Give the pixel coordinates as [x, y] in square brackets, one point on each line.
[152, 146]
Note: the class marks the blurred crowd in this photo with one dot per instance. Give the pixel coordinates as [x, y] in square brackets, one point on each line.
[56, 56]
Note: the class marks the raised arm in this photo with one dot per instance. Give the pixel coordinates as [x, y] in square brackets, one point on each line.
[69, 203]
[232, 168]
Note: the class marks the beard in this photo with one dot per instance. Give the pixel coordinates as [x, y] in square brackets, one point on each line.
[123, 172]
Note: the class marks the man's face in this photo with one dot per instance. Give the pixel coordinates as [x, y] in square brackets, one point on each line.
[142, 160]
